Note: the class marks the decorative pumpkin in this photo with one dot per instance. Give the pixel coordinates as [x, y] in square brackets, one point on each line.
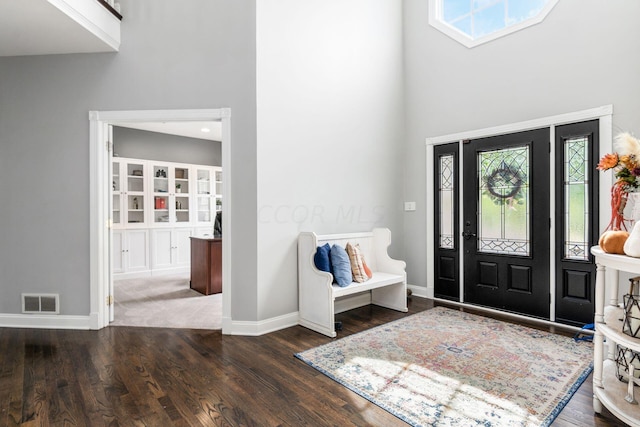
[612, 241]
[632, 245]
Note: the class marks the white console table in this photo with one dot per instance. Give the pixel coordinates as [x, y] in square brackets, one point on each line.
[607, 389]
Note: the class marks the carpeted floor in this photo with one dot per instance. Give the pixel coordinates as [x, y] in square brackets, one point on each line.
[165, 301]
[444, 367]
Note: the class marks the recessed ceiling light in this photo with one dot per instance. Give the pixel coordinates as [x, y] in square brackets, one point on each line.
[205, 130]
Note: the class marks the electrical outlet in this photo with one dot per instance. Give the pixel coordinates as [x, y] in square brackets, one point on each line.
[409, 206]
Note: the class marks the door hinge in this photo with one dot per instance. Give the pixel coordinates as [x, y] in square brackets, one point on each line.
[110, 300]
[108, 145]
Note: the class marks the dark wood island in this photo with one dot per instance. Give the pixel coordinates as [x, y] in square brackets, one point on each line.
[206, 265]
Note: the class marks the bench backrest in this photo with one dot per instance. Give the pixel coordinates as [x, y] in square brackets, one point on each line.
[365, 240]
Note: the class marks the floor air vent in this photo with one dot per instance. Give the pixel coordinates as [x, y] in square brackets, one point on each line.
[41, 303]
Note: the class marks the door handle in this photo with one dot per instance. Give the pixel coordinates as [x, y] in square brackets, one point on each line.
[468, 235]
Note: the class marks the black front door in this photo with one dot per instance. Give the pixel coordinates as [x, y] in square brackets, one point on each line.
[506, 222]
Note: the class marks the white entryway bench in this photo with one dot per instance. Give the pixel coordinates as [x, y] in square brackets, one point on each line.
[317, 294]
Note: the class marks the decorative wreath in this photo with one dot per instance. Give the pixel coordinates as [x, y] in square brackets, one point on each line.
[501, 178]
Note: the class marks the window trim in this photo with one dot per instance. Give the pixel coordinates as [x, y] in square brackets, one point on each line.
[435, 11]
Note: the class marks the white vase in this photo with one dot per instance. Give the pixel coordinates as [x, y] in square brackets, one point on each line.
[632, 210]
[632, 244]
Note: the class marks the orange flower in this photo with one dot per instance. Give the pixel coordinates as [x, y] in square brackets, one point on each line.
[629, 161]
[625, 159]
[607, 162]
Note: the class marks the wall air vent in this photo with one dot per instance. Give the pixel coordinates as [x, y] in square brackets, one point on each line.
[41, 303]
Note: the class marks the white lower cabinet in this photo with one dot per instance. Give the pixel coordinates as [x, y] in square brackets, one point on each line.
[170, 248]
[130, 251]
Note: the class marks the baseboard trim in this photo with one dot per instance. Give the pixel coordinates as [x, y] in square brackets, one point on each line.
[262, 327]
[171, 271]
[419, 291]
[152, 273]
[247, 328]
[36, 321]
[132, 275]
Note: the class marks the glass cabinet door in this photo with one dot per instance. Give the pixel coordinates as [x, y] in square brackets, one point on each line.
[135, 193]
[116, 193]
[218, 195]
[180, 203]
[204, 198]
[170, 193]
[161, 191]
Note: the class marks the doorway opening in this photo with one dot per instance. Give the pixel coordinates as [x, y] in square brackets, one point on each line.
[166, 193]
[101, 150]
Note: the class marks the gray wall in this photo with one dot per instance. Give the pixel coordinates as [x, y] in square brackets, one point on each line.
[584, 55]
[330, 128]
[174, 55]
[140, 144]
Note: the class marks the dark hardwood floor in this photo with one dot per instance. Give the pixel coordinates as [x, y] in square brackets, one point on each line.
[125, 376]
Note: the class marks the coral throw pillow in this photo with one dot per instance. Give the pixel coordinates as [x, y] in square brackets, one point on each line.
[367, 269]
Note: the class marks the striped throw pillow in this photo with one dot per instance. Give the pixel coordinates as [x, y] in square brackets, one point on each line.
[357, 263]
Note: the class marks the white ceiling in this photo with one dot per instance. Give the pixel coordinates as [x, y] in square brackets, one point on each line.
[188, 129]
[37, 27]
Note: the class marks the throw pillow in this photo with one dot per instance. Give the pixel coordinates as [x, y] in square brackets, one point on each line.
[357, 266]
[367, 269]
[322, 258]
[341, 266]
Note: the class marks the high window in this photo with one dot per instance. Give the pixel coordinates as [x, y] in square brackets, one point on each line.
[472, 22]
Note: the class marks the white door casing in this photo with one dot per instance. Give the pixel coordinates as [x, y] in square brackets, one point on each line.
[100, 214]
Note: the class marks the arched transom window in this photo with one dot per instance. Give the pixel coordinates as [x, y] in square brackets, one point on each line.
[472, 22]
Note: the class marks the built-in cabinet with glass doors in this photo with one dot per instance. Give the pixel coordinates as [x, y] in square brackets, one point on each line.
[156, 207]
[170, 194]
[128, 191]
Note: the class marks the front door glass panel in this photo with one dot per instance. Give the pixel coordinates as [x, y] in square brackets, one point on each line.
[504, 208]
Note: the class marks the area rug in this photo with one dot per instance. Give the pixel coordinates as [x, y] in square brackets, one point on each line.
[444, 367]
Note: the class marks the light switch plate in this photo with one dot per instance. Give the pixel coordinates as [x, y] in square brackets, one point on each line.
[409, 206]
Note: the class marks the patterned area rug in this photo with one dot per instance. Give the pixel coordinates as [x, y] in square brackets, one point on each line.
[444, 367]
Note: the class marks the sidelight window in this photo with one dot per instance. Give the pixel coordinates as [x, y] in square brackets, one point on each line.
[447, 201]
[576, 198]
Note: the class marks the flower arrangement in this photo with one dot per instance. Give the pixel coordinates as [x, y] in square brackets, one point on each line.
[625, 162]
